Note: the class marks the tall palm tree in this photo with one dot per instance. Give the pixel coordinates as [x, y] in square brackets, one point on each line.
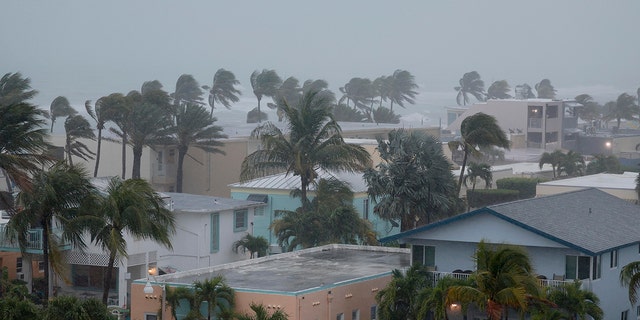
[554, 159]
[57, 194]
[77, 127]
[413, 182]
[314, 141]
[503, 279]
[478, 131]
[261, 313]
[150, 114]
[128, 207]
[575, 301]
[401, 88]
[60, 107]
[218, 295]
[477, 171]
[381, 88]
[288, 92]
[265, 84]
[188, 90]
[545, 89]
[223, 89]
[470, 84]
[104, 110]
[625, 107]
[23, 142]
[257, 246]
[499, 90]
[15, 89]
[194, 127]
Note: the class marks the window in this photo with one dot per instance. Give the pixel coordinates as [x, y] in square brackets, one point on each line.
[426, 255]
[624, 315]
[340, 316]
[240, 220]
[355, 314]
[149, 316]
[596, 270]
[172, 155]
[41, 266]
[19, 264]
[365, 209]
[638, 311]
[374, 312]
[160, 160]
[215, 232]
[613, 263]
[552, 112]
[258, 211]
[577, 267]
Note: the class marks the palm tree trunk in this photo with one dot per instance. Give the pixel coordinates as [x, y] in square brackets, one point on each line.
[107, 277]
[391, 106]
[464, 164]
[124, 154]
[95, 171]
[137, 158]
[259, 117]
[181, 153]
[212, 103]
[68, 150]
[304, 183]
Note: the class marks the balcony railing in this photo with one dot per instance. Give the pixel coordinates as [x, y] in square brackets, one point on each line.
[437, 275]
[34, 240]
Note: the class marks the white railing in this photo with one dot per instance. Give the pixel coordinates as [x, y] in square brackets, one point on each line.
[34, 239]
[437, 275]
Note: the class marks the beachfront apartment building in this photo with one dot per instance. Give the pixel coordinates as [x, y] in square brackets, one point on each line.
[532, 123]
[588, 235]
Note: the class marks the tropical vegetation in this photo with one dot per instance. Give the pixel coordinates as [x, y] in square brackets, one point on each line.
[256, 245]
[470, 84]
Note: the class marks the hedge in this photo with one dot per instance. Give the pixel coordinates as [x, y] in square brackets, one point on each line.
[486, 197]
[526, 186]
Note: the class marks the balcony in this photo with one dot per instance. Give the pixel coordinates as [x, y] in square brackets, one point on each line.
[34, 241]
[437, 275]
[535, 123]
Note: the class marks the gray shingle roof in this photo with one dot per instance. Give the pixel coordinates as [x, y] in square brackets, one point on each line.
[589, 220]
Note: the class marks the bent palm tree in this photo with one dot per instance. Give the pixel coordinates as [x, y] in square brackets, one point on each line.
[401, 88]
[223, 89]
[77, 127]
[572, 164]
[470, 84]
[314, 141]
[60, 107]
[623, 108]
[187, 91]
[129, 207]
[545, 89]
[554, 159]
[57, 194]
[477, 171]
[478, 131]
[499, 90]
[15, 89]
[104, 110]
[264, 83]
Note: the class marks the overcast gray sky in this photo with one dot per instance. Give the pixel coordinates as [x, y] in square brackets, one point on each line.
[88, 49]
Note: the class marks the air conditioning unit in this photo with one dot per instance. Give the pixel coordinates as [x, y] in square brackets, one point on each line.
[20, 276]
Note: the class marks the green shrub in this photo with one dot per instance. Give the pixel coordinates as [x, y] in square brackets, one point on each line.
[526, 186]
[486, 197]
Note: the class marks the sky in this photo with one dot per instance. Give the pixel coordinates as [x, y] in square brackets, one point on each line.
[87, 49]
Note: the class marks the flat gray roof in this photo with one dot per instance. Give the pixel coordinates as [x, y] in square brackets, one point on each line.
[300, 271]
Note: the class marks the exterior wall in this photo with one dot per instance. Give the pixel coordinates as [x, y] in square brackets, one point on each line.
[9, 260]
[510, 114]
[110, 158]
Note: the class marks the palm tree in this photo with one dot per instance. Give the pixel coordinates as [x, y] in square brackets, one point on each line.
[603, 163]
[264, 83]
[399, 300]
[623, 108]
[590, 109]
[23, 142]
[572, 164]
[60, 107]
[361, 92]
[330, 218]
[150, 114]
[187, 91]
[129, 207]
[261, 313]
[223, 89]
[401, 88]
[218, 295]
[104, 110]
[57, 194]
[524, 91]
[194, 127]
[314, 141]
[554, 159]
[15, 89]
[504, 279]
[77, 127]
[478, 131]
[499, 90]
[477, 171]
[576, 302]
[545, 89]
[288, 92]
[630, 278]
[470, 84]
[257, 246]
[433, 300]
[18, 309]
[413, 182]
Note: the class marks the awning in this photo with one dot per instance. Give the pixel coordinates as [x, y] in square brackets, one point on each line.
[258, 197]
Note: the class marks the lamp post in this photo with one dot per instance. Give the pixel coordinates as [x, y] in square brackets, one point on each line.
[148, 289]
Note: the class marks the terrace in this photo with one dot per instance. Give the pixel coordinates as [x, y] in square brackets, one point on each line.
[33, 240]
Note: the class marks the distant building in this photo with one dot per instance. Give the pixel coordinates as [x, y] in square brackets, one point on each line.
[327, 282]
[619, 185]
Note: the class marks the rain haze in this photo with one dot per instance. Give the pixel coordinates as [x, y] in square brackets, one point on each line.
[88, 49]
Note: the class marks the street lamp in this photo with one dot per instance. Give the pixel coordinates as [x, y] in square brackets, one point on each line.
[148, 289]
